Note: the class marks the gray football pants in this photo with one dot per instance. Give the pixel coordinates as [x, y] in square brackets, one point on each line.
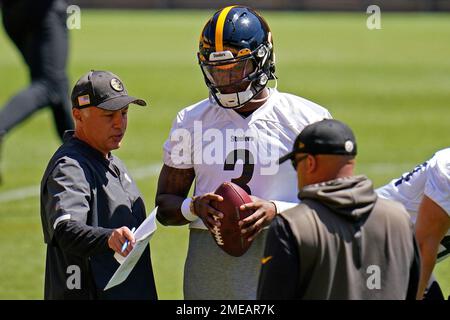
[212, 274]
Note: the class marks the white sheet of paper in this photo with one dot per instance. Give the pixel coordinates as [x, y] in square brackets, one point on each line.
[142, 235]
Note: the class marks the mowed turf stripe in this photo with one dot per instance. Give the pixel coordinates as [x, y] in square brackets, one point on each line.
[33, 191]
[152, 170]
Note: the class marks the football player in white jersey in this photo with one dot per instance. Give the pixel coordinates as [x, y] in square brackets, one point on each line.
[236, 135]
[425, 192]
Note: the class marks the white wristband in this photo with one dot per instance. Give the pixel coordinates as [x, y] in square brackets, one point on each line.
[186, 211]
[283, 205]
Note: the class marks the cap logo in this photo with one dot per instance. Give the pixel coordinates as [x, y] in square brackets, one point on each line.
[116, 84]
[84, 100]
[349, 146]
[301, 145]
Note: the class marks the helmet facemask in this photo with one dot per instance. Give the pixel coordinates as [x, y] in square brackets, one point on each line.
[234, 81]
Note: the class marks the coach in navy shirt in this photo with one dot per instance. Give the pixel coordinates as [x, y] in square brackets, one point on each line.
[89, 202]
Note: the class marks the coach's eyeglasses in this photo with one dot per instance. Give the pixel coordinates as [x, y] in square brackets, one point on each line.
[295, 161]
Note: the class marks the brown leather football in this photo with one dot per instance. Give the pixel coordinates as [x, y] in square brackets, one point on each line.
[228, 236]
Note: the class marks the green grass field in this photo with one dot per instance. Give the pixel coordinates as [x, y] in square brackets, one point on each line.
[391, 85]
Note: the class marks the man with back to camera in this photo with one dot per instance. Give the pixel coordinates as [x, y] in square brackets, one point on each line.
[89, 202]
[341, 241]
[236, 135]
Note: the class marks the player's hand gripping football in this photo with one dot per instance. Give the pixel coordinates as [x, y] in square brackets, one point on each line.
[203, 209]
[265, 212]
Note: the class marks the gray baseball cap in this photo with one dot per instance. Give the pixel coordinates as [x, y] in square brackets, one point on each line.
[102, 89]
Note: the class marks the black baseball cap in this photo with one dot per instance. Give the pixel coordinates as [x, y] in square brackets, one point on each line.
[102, 89]
[328, 136]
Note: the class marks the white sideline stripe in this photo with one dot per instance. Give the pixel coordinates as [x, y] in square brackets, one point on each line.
[18, 194]
[154, 169]
[392, 169]
[33, 191]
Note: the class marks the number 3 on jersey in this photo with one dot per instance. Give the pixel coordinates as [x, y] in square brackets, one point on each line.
[249, 166]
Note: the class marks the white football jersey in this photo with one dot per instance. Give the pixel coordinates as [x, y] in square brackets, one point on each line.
[431, 178]
[221, 145]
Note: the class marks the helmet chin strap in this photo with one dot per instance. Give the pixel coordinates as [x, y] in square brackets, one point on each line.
[260, 100]
[232, 100]
[266, 97]
[225, 98]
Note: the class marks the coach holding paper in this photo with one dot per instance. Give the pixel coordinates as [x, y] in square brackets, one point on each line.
[342, 241]
[89, 202]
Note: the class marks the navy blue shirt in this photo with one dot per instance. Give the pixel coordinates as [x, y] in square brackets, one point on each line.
[84, 197]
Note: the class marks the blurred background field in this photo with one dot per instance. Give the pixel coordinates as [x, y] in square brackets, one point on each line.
[391, 85]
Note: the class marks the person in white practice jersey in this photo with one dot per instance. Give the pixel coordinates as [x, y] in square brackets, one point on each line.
[236, 135]
[425, 192]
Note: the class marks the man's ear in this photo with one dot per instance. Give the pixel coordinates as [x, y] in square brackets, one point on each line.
[76, 114]
[311, 163]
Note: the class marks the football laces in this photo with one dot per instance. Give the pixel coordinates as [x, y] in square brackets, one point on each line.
[217, 234]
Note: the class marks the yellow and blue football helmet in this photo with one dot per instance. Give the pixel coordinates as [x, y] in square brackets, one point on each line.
[236, 55]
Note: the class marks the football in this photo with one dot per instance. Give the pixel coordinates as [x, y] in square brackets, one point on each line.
[228, 236]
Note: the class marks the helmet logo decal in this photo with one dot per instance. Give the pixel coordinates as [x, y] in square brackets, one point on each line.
[244, 52]
[261, 52]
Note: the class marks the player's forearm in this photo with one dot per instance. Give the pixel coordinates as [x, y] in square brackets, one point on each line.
[169, 210]
[431, 226]
[428, 251]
